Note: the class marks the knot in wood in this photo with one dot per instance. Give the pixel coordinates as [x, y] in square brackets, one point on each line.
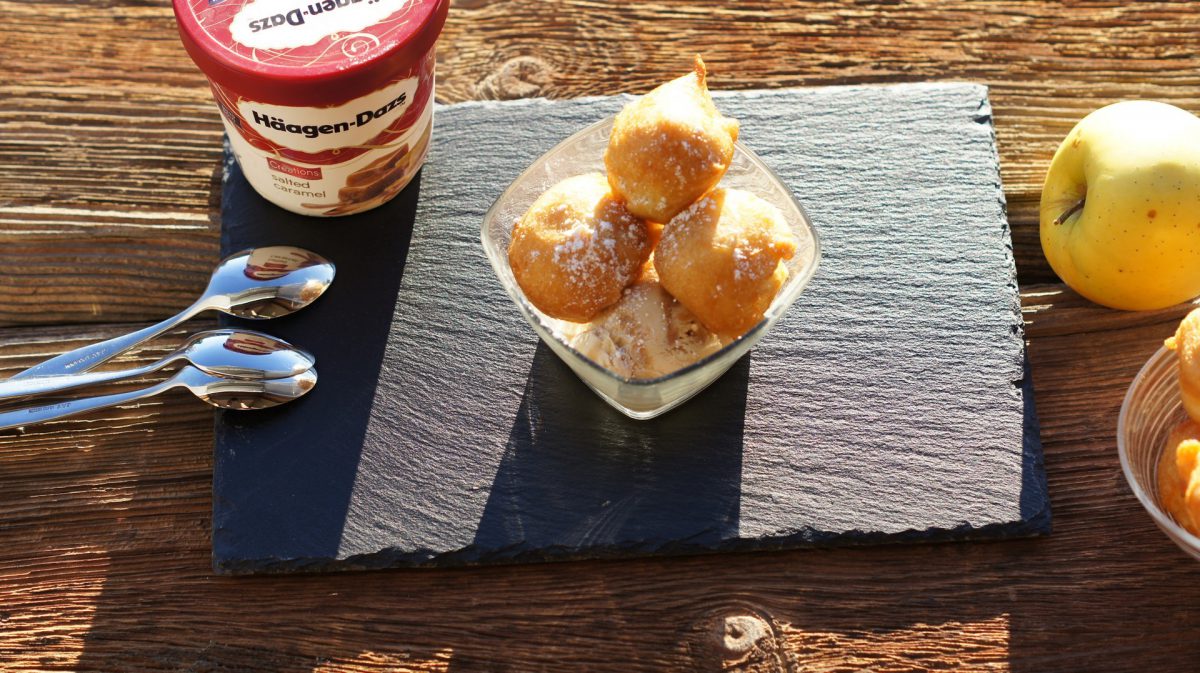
[520, 77]
[739, 639]
[741, 634]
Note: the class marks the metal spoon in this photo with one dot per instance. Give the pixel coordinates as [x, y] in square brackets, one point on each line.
[232, 353]
[219, 392]
[257, 283]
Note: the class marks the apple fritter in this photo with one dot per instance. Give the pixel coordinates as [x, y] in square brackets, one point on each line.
[577, 248]
[722, 258]
[669, 147]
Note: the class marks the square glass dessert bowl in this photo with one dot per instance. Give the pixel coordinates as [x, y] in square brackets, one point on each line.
[642, 399]
[1151, 410]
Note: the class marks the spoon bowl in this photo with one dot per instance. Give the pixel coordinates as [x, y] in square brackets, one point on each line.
[244, 354]
[248, 394]
[268, 282]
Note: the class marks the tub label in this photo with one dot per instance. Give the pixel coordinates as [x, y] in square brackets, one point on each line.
[287, 24]
[358, 183]
[315, 130]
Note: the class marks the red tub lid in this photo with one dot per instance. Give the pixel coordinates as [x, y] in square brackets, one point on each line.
[308, 52]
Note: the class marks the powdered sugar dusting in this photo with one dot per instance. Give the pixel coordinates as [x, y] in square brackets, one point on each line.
[577, 248]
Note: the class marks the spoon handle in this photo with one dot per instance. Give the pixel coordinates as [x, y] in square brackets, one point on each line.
[49, 412]
[44, 385]
[86, 357]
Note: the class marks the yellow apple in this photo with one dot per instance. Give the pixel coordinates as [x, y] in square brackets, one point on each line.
[1120, 212]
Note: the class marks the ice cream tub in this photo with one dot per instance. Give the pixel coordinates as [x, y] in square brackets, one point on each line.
[328, 104]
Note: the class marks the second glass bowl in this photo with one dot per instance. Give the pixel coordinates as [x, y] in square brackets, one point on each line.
[643, 398]
[1152, 408]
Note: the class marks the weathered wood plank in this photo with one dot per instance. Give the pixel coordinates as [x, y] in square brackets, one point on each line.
[113, 126]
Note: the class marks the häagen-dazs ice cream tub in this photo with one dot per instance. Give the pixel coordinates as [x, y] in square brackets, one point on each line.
[328, 104]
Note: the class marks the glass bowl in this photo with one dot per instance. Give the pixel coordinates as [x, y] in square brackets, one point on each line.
[643, 398]
[1152, 408]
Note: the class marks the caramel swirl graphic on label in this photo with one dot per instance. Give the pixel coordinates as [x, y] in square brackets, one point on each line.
[379, 180]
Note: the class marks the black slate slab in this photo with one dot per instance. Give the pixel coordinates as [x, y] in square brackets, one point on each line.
[891, 403]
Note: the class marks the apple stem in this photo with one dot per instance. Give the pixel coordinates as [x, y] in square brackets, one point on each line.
[1071, 211]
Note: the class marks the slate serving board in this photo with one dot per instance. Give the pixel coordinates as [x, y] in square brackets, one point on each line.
[892, 403]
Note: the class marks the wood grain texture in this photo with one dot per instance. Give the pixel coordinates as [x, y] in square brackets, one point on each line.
[109, 152]
[109, 136]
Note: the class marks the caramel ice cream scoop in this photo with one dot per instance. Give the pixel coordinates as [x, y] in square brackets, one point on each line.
[646, 334]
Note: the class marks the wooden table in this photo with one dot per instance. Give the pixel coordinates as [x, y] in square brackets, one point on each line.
[109, 181]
